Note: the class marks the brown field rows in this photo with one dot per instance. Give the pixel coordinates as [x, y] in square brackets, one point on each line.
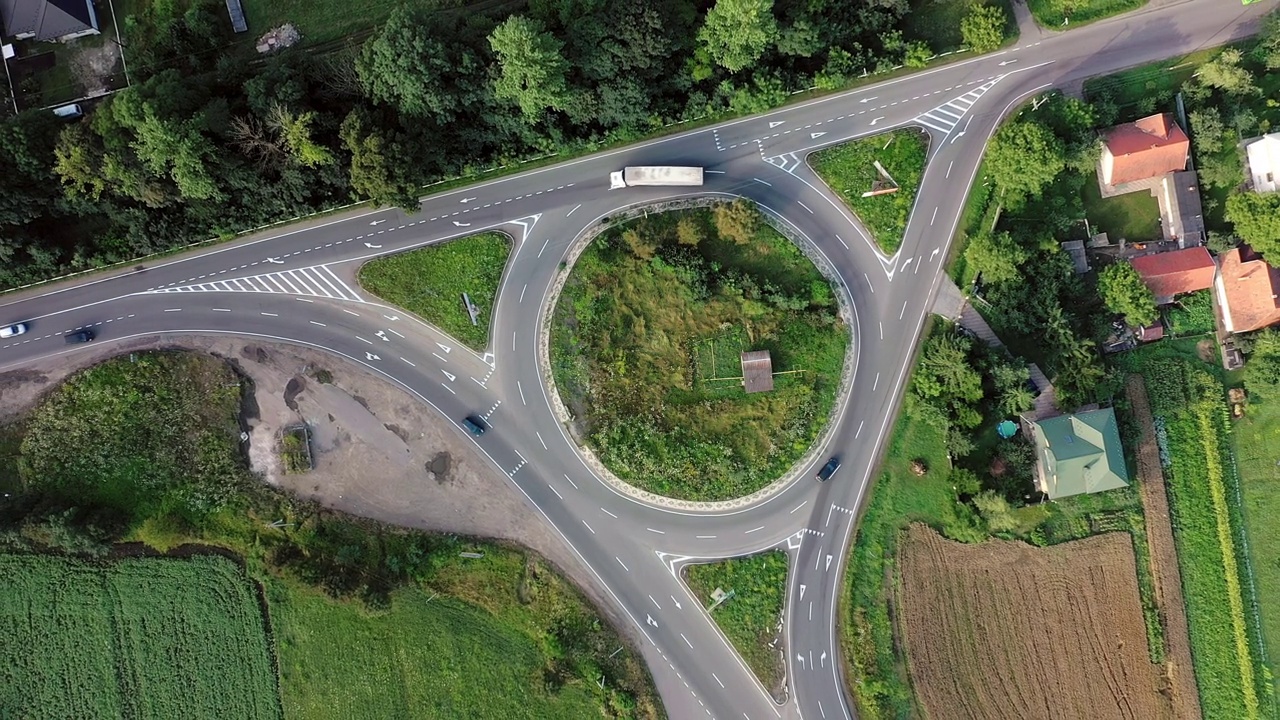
[1007, 630]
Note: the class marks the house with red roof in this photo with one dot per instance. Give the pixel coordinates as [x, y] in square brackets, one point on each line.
[1177, 272]
[1142, 150]
[1248, 291]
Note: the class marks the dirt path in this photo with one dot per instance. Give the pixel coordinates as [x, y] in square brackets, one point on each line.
[1164, 557]
[379, 453]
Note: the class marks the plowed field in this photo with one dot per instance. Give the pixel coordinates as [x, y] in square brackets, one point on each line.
[1007, 630]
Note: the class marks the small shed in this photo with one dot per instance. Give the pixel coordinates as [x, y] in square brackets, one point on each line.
[757, 371]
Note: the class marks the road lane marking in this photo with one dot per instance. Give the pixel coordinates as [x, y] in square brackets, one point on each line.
[363, 340]
[842, 242]
[660, 532]
[313, 322]
[753, 530]
[935, 217]
[521, 389]
[446, 387]
[868, 277]
[221, 309]
[705, 537]
[855, 435]
[806, 207]
[572, 211]
[174, 310]
[526, 285]
[882, 330]
[606, 512]
[269, 314]
[686, 640]
[513, 341]
[810, 617]
[655, 602]
[904, 310]
[350, 313]
[593, 532]
[300, 299]
[624, 565]
[409, 363]
[571, 482]
[557, 492]
[953, 162]
[762, 182]
[544, 442]
[544, 246]
[876, 384]
[441, 357]
[393, 332]
[718, 680]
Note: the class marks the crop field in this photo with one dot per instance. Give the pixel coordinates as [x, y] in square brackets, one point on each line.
[1003, 629]
[850, 171]
[429, 282]
[137, 638]
[751, 618]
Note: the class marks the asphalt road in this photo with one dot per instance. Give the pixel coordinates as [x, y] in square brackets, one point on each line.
[297, 286]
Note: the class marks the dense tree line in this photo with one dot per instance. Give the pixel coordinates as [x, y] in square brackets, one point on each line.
[212, 139]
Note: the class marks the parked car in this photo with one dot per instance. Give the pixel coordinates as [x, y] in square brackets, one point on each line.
[13, 330]
[69, 111]
[79, 336]
[474, 424]
[829, 469]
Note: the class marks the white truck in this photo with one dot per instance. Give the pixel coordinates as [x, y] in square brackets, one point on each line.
[655, 175]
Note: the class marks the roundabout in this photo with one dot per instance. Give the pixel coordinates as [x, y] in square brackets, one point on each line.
[299, 286]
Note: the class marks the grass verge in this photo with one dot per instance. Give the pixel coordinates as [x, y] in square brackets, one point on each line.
[139, 638]
[646, 344]
[752, 618]
[429, 282]
[849, 169]
[1065, 14]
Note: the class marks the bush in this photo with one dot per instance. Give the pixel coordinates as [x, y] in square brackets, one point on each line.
[983, 28]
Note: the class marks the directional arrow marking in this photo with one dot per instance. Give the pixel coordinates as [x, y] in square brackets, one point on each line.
[800, 658]
[650, 620]
[371, 246]
[377, 222]
[823, 658]
[371, 356]
[382, 334]
[775, 124]
[392, 318]
[864, 100]
[467, 200]
[1006, 62]
[449, 375]
[815, 136]
[935, 252]
[873, 122]
[461, 224]
[677, 602]
[277, 261]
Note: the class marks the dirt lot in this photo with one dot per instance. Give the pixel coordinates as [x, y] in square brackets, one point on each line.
[1007, 630]
[379, 453]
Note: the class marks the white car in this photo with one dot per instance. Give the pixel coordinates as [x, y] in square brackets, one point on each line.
[13, 330]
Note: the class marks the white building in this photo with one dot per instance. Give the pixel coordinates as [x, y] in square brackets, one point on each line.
[1264, 162]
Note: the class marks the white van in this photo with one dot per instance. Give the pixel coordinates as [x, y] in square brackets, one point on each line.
[69, 111]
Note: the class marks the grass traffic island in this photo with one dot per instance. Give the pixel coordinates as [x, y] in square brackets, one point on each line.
[849, 169]
[750, 613]
[365, 619]
[429, 282]
[646, 344]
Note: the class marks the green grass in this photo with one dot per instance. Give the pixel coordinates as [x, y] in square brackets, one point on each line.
[751, 618]
[1130, 88]
[645, 351]
[1133, 216]
[937, 22]
[1051, 13]
[464, 646]
[1192, 314]
[850, 171]
[429, 282]
[1256, 439]
[138, 638]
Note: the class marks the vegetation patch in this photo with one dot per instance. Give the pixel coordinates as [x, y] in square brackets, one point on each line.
[295, 449]
[1134, 216]
[850, 170]
[430, 281]
[138, 637]
[358, 606]
[938, 23]
[1192, 314]
[1060, 14]
[646, 344]
[751, 614]
[1187, 402]
[504, 622]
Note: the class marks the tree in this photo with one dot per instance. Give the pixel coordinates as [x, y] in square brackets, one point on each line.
[533, 71]
[737, 32]
[946, 375]
[1209, 131]
[1262, 371]
[1011, 384]
[1080, 373]
[995, 511]
[1256, 217]
[419, 65]
[800, 40]
[1024, 157]
[982, 28]
[295, 133]
[378, 171]
[1224, 72]
[997, 256]
[737, 221]
[1125, 294]
[689, 231]
[1268, 49]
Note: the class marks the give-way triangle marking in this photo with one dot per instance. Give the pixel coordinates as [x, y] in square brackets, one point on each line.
[815, 136]
[775, 124]
[526, 224]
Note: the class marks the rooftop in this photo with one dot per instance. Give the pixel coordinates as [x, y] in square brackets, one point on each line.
[757, 371]
[1142, 149]
[1079, 453]
[1176, 272]
[1247, 291]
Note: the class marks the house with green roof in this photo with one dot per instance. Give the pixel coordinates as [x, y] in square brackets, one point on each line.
[1078, 453]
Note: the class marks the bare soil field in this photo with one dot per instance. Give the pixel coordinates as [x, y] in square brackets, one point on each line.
[1007, 630]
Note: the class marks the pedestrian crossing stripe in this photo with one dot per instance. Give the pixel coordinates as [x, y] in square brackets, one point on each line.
[315, 281]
